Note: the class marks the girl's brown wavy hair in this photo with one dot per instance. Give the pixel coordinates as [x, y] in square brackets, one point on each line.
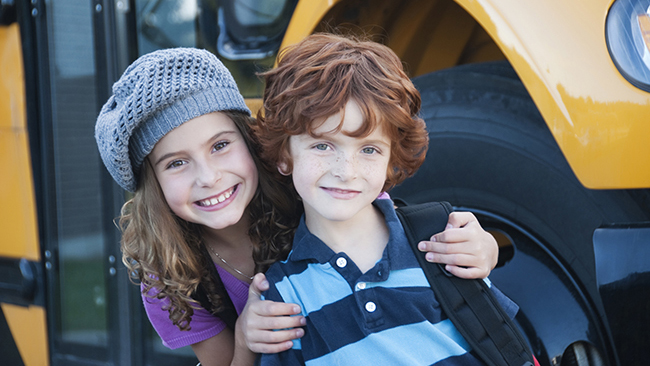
[164, 252]
[315, 79]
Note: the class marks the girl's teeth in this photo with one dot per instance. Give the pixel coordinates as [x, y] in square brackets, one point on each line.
[215, 200]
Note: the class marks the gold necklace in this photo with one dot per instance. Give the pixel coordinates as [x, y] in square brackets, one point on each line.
[228, 264]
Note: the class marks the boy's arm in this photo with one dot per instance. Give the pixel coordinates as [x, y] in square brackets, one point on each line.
[467, 250]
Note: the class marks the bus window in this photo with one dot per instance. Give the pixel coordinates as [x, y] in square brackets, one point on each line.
[74, 222]
[244, 34]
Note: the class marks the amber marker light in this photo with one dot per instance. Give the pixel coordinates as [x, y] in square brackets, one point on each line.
[644, 26]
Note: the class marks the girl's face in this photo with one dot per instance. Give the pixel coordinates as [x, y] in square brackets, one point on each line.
[205, 170]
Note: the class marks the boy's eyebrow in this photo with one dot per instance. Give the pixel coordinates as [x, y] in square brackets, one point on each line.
[330, 135]
[374, 141]
[378, 141]
[208, 142]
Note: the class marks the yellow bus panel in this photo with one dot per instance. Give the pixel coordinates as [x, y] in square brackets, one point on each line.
[18, 215]
[25, 323]
[594, 114]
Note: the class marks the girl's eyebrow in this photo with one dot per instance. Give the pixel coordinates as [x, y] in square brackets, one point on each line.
[208, 142]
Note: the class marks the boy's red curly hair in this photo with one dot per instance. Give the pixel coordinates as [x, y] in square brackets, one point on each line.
[316, 78]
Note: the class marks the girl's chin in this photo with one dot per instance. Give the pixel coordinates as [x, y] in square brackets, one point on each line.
[222, 223]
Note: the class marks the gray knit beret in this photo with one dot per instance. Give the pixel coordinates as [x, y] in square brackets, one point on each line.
[157, 93]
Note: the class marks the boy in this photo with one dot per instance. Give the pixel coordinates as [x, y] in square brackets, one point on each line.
[341, 124]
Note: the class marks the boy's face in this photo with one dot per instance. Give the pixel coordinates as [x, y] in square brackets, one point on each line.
[338, 176]
[205, 170]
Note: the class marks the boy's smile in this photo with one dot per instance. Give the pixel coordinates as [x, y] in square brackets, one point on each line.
[205, 171]
[336, 175]
[341, 193]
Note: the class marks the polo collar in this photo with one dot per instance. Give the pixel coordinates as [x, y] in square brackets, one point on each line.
[307, 246]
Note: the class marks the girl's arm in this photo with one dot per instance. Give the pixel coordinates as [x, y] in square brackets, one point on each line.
[256, 323]
[223, 350]
[254, 331]
[467, 250]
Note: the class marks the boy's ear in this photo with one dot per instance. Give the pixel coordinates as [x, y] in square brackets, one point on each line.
[283, 168]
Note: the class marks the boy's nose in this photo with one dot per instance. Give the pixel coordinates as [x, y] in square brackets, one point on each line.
[206, 174]
[345, 167]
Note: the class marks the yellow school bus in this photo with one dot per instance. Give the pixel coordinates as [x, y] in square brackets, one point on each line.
[539, 114]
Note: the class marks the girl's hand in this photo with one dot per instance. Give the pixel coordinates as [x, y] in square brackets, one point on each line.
[259, 319]
[467, 250]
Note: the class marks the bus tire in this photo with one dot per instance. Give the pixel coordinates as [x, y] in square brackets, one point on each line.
[491, 152]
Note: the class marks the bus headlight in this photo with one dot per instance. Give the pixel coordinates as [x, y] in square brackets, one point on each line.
[627, 32]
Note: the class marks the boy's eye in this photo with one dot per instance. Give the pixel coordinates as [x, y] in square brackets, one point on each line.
[369, 150]
[321, 147]
[220, 145]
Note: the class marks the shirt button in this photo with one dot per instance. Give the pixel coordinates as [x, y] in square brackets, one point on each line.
[371, 307]
[341, 262]
[361, 285]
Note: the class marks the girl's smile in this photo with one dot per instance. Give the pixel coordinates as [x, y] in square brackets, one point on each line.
[216, 202]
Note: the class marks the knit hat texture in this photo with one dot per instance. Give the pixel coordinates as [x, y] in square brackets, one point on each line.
[157, 93]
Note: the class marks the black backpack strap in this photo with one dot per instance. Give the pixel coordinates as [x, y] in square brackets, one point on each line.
[228, 313]
[469, 304]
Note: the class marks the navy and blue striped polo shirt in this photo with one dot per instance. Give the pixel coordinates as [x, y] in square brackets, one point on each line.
[386, 316]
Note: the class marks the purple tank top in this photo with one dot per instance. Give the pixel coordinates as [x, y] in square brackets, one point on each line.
[204, 324]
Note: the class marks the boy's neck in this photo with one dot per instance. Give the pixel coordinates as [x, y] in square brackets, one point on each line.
[363, 238]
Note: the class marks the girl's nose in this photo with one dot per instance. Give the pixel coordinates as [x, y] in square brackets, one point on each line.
[207, 174]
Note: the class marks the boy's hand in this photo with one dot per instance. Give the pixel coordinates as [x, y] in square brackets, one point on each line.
[467, 250]
[259, 319]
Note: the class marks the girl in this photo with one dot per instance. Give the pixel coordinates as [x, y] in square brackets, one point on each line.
[176, 132]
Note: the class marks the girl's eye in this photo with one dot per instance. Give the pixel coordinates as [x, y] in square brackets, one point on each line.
[220, 145]
[175, 164]
[369, 150]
